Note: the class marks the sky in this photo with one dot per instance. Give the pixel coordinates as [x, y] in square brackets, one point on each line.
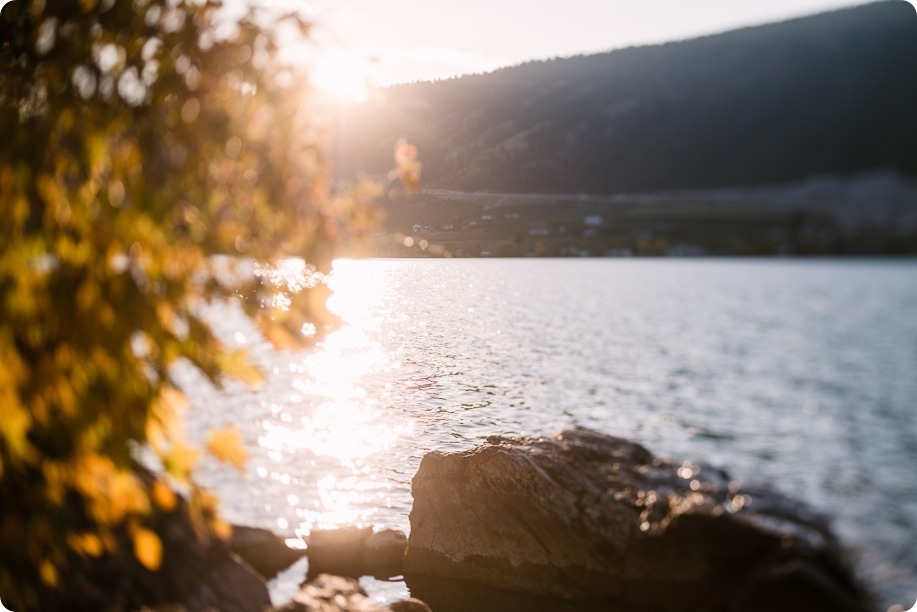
[433, 39]
[365, 43]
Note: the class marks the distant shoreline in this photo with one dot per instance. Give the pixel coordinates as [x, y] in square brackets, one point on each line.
[867, 215]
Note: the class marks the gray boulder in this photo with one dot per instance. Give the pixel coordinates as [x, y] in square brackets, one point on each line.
[582, 515]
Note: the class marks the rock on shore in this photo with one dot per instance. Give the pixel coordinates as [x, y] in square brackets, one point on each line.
[262, 549]
[328, 593]
[356, 551]
[582, 515]
[197, 573]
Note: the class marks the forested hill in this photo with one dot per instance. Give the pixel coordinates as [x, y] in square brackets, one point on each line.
[834, 94]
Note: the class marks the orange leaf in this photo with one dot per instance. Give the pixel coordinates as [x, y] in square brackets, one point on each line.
[226, 445]
[85, 543]
[48, 573]
[222, 529]
[180, 460]
[163, 496]
[147, 548]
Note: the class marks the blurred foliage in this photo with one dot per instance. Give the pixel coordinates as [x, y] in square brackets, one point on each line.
[153, 154]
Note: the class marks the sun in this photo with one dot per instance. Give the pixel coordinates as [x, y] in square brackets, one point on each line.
[342, 74]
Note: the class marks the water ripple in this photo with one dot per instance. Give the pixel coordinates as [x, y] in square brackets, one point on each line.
[796, 373]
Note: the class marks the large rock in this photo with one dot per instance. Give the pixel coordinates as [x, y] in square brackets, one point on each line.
[582, 515]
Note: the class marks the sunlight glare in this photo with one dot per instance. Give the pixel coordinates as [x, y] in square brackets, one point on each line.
[332, 414]
[342, 74]
[357, 289]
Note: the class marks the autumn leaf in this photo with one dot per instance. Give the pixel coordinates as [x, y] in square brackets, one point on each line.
[237, 365]
[147, 548]
[226, 445]
[165, 422]
[180, 460]
[406, 164]
[125, 495]
[85, 543]
[174, 401]
[221, 528]
[48, 573]
[277, 335]
[206, 502]
[164, 496]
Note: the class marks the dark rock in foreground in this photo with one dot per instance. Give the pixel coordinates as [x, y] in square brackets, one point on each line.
[197, 572]
[452, 595]
[583, 515]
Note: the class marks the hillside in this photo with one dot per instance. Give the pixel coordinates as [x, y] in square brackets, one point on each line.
[831, 94]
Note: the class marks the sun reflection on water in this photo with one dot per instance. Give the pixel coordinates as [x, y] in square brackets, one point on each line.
[335, 416]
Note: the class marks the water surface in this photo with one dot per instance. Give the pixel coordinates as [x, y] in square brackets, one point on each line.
[797, 373]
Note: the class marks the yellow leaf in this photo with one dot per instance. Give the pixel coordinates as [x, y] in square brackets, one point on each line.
[174, 400]
[15, 422]
[125, 496]
[165, 314]
[180, 460]
[48, 573]
[167, 411]
[406, 164]
[85, 543]
[222, 529]
[163, 496]
[147, 548]
[237, 365]
[206, 502]
[226, 445]
[155, 435]
[277, 335]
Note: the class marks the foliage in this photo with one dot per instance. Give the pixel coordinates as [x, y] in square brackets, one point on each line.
[140, 142]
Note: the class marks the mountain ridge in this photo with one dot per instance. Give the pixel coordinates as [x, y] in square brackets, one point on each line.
[829, 94]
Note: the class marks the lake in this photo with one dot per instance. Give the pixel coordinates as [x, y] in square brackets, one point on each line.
[797, 373]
